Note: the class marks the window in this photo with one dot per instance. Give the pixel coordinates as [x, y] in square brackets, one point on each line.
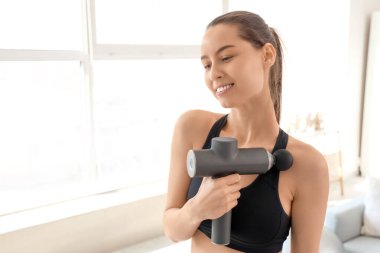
[42, 128]
[41, 24]
[43, 110]
[163, 22]
[146, 73]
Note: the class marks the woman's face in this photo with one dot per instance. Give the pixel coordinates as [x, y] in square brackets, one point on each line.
[234, 69]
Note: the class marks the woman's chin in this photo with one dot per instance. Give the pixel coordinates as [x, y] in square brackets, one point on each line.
[226, 104]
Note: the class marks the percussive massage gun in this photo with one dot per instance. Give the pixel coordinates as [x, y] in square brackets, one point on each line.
[224, 158]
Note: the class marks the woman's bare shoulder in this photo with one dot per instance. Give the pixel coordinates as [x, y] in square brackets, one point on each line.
[198, 115]
[309, 177]
[195, 124]
[308, 162]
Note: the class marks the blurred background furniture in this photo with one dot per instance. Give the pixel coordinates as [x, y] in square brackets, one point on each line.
[346, 221]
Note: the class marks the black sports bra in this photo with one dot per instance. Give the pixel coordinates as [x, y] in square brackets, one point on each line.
[259, 222]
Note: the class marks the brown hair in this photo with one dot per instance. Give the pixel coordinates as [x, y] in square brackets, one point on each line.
[253, 29]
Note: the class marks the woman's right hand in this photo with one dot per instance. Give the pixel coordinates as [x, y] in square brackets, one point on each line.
[217, 196]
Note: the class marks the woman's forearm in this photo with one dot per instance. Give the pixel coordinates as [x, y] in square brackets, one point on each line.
[181, 223]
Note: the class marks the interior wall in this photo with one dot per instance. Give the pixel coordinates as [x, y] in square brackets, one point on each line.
[360, 12]
[371, 119]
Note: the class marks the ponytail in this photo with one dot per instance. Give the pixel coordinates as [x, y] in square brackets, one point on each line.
[275, 80]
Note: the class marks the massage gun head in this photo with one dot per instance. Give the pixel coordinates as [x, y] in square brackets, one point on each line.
[283, 159]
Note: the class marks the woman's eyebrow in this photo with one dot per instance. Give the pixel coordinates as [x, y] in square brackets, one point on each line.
[218, 51]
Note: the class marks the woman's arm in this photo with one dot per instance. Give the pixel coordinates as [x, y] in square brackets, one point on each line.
[180, 221]
[215, 197]
[310, 201]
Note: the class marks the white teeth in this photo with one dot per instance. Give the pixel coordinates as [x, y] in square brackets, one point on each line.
[223, 88]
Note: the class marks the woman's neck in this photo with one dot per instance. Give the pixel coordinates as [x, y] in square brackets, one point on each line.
[253, 124]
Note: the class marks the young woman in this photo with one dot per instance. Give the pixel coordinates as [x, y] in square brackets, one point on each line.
[242, 58]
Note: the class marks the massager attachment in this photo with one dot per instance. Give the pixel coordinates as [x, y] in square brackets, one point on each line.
[224, 158]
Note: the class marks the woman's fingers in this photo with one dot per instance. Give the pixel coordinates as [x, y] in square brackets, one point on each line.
[231, 179]
[217, 196]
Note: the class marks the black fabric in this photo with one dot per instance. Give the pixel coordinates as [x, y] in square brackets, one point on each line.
[259, 222]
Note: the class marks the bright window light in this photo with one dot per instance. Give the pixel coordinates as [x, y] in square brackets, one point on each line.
[41, 24]
[136, 105]
[41, 131]
[154, 22]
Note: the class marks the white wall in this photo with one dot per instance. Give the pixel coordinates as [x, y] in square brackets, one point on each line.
[353, 91]
[371, 116]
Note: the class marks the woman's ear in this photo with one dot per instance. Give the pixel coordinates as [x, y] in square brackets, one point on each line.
[269, 54]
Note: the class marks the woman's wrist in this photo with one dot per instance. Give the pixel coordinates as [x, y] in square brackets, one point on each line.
[192, 211]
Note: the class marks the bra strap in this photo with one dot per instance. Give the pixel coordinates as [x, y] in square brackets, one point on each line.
[215, 131]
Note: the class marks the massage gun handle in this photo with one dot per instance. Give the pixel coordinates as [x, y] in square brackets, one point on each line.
[221, 229]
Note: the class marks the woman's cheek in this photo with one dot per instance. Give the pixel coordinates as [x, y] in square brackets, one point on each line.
[209, 85]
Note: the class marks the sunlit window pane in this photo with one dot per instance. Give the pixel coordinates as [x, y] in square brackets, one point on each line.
[41, 130]
[41, 24]
[136, 105]
[154, 21]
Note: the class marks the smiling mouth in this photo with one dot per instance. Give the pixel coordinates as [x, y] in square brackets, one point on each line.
[224, 88]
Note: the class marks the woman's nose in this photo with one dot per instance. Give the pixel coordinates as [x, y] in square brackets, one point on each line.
[215, 73]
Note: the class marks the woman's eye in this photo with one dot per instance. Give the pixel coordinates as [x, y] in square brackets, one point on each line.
[227, 58]
[207, 66]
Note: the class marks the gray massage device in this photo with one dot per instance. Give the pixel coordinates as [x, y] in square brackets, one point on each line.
[225, 158]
